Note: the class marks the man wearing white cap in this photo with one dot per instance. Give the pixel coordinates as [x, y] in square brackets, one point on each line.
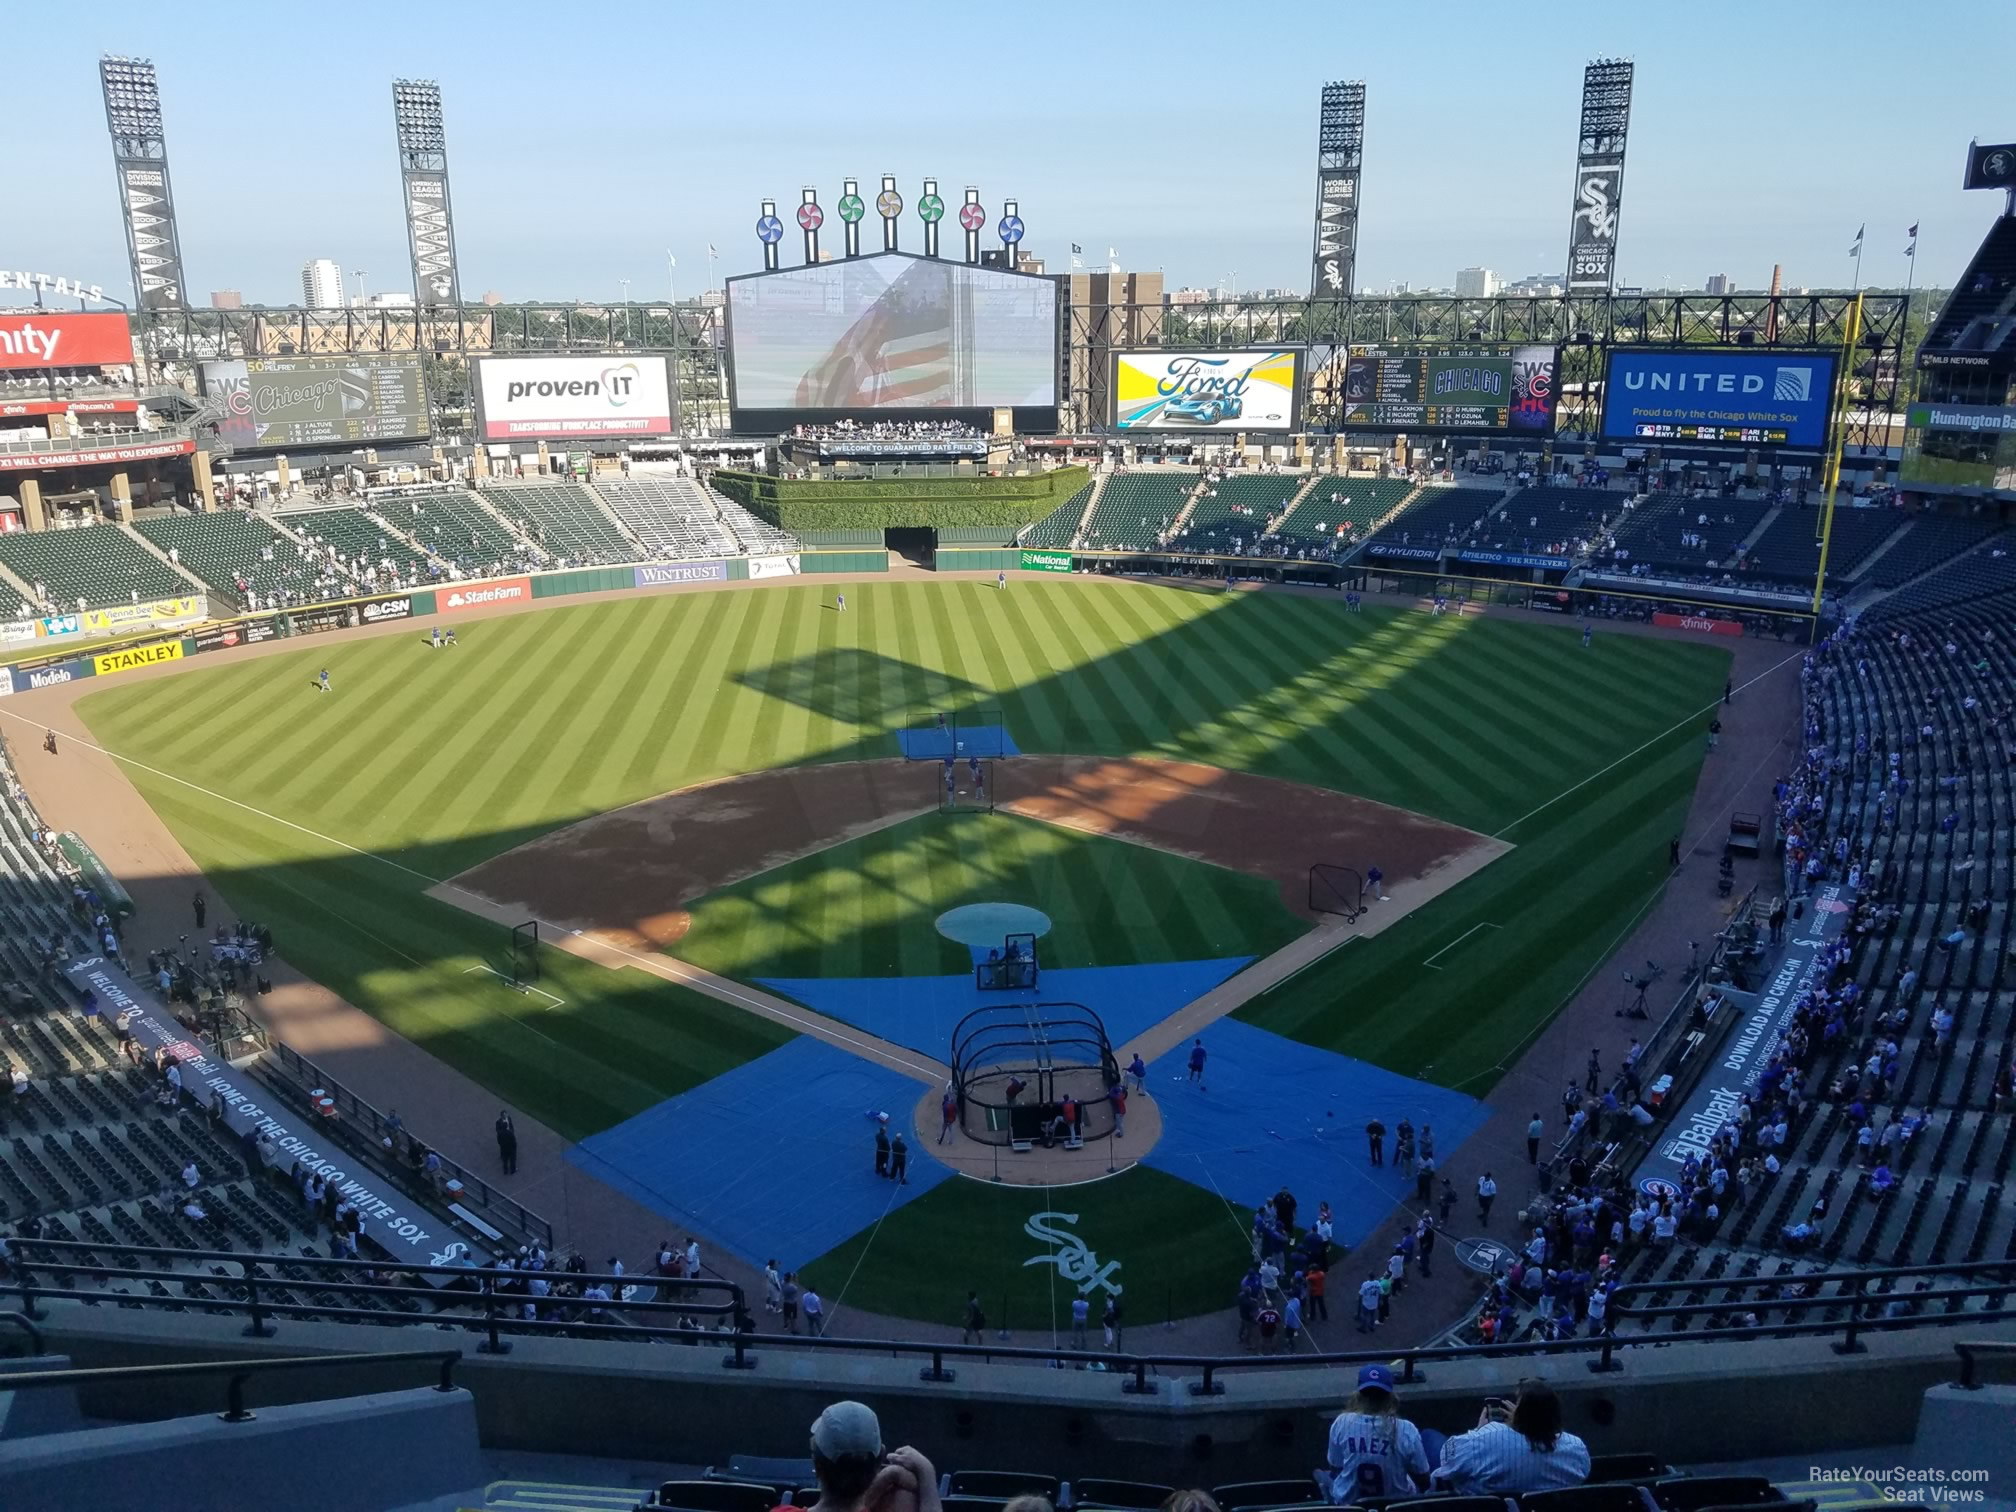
[1373, 1450]
[856, 1475]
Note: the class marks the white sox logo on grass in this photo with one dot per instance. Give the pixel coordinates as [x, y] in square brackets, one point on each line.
[1073, 1260]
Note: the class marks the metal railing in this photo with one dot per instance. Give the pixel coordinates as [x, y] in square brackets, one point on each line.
[297, 1068]
[98, 440]
[482, 1302]
[1973, 1347]
[238, 1373]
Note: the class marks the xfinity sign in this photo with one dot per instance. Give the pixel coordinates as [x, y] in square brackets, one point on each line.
[1656, 393]
[573, 398]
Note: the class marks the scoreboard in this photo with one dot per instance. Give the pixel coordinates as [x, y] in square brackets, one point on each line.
[1447, 391]
[1745, 435]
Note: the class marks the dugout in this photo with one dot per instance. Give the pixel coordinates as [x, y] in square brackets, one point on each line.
[1013, 1065]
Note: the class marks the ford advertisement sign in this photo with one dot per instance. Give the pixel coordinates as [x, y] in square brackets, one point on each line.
[1769, 398]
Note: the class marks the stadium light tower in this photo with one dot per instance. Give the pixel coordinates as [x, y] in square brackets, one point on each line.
[1599, 176]
[1340, 152]
[140, 157]
[423, 172]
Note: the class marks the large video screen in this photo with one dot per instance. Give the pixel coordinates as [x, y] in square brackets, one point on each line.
[1766, 398]
[1959, 446]
[892, 332]
[1437, 391]
[317, 401]
[1202, 390]
[573, 398]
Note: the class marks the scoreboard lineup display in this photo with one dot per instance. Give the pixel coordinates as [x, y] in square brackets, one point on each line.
[1417, 391]
[1746, 435]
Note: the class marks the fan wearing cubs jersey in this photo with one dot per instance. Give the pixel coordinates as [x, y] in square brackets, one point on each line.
[1373, 1450]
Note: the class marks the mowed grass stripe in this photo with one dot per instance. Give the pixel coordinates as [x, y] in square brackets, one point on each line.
[602, 744]
[710, 622]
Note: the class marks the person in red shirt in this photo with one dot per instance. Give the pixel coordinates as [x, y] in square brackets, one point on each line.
[1069, 1109]
[1118, 1097]
[1316, 1278]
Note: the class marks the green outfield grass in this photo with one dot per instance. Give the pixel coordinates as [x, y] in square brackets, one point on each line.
[427, 762]
[1181, 1251]
[868, 907]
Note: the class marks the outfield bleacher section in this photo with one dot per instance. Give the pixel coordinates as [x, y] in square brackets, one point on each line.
[1231, 514]
[752, 534]
[240, 554]
[455, 528]
[1983, 298]
[361, 546]
[1550, 520]
[1657, 533]
[1931, 541]
[1135, 509]
[1333, 500]
[563, 519]
[1059, 528]
[1789, 549]
[674, 517]
[96, 564]
[1979, 574]
[1439, 517]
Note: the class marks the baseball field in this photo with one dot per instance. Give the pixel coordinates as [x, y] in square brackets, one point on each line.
[330, 816]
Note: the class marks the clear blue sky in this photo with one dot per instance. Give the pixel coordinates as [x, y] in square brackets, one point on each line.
[584, 140]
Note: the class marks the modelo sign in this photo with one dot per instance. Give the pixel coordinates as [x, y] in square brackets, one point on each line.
[1686, 394]
[55, 339]
[573, 398]
[1232, 391]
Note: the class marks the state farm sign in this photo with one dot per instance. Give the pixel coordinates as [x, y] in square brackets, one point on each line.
[483, 595]
[54, 339]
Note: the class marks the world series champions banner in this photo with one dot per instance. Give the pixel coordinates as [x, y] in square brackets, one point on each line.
[1340, 149]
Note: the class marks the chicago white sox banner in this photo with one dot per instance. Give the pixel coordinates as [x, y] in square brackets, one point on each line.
[1599, 177]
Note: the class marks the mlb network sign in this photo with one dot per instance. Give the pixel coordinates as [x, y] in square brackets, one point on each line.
[573, 398]
[1788, 391]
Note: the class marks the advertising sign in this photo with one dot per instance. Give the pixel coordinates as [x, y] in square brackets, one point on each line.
[1045, 561]
[148, 612]
[1515, 559]
[1960, 445]
[26, 678]
[86, 455]
[15, 632]
[1201, 390]
[1689, 394]
[17, 407]
[664, 574]
[1700, 622]
[57, 626]
[239, 633]
[110, 662]
[379, 611]
[572, 398]
[1445, 391]
[64, 339]
[317, 401]
[516, 590]
[6, 682]
[773, 566]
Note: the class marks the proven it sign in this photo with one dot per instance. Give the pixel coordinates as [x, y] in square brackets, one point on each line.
[567, 398]
[54, 339]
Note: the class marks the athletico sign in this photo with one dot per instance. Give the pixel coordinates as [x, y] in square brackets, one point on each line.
[57, 340]
[481, 595]
[1046, 561]
[570, 398]
[1697, 622]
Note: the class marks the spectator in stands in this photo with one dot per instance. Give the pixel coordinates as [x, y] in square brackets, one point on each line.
[1516, 1447]
[1373, 1450]
[855, 1472]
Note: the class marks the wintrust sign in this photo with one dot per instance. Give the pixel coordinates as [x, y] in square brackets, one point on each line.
[483, 595]
[50, 340]
[570, 398]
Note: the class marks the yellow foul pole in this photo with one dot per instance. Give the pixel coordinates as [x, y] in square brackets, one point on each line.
[1849, 339]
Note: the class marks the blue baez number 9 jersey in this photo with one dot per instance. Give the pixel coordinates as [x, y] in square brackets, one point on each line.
[1375, 1456]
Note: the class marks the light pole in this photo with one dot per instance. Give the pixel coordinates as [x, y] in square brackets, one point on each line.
[360, 288]
[626, 289]
[678, 383]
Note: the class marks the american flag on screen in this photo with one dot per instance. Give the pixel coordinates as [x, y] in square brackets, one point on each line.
[897, 352]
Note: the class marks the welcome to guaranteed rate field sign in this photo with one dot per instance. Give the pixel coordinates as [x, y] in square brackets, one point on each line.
[1203, 390]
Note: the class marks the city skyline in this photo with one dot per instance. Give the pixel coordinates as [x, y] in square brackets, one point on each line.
[1208, 179]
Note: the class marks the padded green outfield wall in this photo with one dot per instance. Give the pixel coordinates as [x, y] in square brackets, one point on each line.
[818, 504]
[977, 559]
[812, 562]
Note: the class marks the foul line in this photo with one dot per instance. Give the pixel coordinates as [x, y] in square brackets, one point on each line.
[521, 986]
[1662, 735]
[677, 974]
[1430, 962]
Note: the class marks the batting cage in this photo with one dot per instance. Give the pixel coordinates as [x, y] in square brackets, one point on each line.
[1336, 890]
[525, 953]
[955, 735]
[1033, 1073]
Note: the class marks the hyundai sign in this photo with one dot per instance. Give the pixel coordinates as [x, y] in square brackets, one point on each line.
[1750, 398]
